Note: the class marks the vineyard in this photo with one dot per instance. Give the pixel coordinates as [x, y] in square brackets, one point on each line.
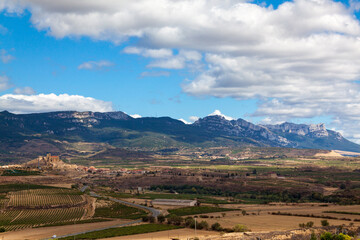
[19, 219]
[45, 198]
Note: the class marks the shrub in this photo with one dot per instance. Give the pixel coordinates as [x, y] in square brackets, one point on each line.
[145, 218]
[216, 227]
[309, 224]
[202, 225]
[313, 236]
[342, 237]
[161, 218]
[176, 220]
[326, 236]
[324, 223]
[240, 228]
[190, 222]
[2, 229]
[151, 219]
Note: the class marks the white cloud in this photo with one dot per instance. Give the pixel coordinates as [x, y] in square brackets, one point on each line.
[151, 53]
[297, 68]
[164, 58]
[193, 118]
[136, 116]
[95, 65]
[4, 83]
[4, 56]
[24, 91]
[184, 121]
[51, 102]
[218, 113]
[155, 74]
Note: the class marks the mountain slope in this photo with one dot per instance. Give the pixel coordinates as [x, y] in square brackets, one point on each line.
[56, 131]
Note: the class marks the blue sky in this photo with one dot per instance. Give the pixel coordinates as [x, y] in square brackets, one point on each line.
[265, 62]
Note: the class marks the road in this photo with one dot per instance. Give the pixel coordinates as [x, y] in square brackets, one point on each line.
[154, 212]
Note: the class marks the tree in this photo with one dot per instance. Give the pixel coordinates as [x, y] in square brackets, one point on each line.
[254, 171]
[145, 218]
[2, 229]
[243, 212]
[324, 223]
[240, 228]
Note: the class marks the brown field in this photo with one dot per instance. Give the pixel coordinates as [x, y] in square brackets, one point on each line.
[182, 234]
[268, 222]
[46, 232]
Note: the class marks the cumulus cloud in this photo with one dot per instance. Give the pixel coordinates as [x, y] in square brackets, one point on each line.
[4, 56]
[24, 91]
[95, 65]
[297, 68]
[164, 58]
[52, 102]
[4, 83]
[218, 113]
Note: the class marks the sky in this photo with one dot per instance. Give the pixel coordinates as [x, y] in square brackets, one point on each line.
[263, 61]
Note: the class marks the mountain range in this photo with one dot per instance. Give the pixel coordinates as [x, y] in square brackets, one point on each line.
[60, 131]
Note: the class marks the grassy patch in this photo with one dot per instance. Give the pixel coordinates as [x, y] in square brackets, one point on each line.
[197, 210]
[10, 172]
[123, 231]
[117, 210]
[342, 212]
[94, 220]
[20, 186]
[199, 197]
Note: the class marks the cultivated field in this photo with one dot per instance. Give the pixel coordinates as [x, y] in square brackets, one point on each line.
[19, 219]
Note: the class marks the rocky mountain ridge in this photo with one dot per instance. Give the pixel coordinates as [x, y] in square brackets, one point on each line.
[121, 130]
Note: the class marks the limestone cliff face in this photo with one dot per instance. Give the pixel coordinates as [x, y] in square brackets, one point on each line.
[240, 128]
[312, 130]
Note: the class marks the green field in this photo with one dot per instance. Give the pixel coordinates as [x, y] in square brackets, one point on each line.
[117, 210]
[123, 231]
[197, 210]
[200, 197]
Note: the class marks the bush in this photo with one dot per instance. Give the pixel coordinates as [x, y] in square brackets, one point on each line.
[190, 222]
[176, 220]
[313, 236]
[151, 219]
[326, 236]
[161, 218]
[2, 229]
[240, 228]
[202, 225]
[324, 223]
[309, 224]
[145, 218]
[216, 227]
